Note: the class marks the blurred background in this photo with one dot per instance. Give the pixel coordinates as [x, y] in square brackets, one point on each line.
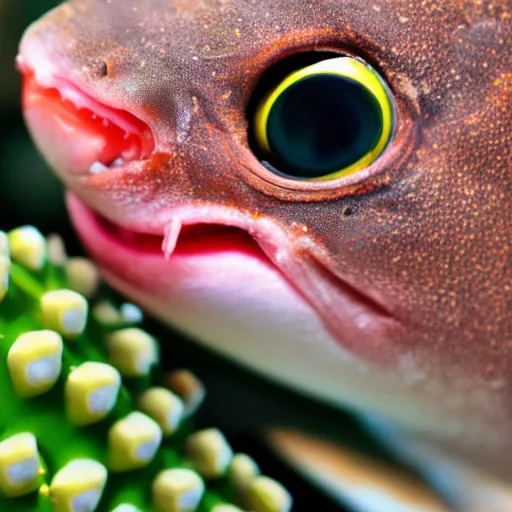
[28, 191]
[237, 401]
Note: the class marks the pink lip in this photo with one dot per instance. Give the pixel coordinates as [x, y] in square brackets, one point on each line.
[197, 238]
[137, 258]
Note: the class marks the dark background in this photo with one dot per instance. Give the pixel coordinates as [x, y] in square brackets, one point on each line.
[28, 191]
[237, 401]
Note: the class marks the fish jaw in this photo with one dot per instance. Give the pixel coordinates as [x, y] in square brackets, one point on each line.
[231, 298]
[221, 289]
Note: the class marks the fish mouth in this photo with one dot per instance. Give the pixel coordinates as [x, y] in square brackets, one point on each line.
[87, 136]
[188, 247]
[179, 240]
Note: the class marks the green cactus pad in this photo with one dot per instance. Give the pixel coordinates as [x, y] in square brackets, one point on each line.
[89, 421]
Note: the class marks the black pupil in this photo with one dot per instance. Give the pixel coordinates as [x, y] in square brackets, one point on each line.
[322, 124]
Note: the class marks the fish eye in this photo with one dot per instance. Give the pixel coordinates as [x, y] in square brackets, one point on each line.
[322, 121]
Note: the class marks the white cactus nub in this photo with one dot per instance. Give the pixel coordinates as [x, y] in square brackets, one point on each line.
[177, 490]
[132, 351]
[28, 247]
[5, 270]
[35, 362]
[78, 486]
[19, 465]
[83, 276]
[209, 452]
[267, 495]
[64, 311]
[164, 407]
[133, 442]
[91, 392]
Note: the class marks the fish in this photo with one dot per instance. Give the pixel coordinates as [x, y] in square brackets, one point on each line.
[320, 191]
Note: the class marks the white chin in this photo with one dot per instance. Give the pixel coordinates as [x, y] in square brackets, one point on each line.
[264, 325]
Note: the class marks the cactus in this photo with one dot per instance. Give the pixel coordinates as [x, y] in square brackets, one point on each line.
[88, 419]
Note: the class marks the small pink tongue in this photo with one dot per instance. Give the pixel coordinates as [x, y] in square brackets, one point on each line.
[101, 137]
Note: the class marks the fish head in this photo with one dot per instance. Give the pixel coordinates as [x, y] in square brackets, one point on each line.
[385, 289]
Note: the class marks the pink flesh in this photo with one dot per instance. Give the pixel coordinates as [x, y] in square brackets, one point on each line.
[179, 241]
[76, 131]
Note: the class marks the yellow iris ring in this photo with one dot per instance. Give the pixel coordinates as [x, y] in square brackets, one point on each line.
[346, 67]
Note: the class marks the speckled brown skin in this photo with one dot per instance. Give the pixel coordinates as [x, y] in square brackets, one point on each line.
[430, 225]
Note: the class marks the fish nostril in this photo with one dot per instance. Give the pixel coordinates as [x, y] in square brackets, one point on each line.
[103, 69]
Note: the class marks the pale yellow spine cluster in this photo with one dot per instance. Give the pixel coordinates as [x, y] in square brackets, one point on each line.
[4, 245]
[35, 362]
[133, 442]
[56, 250]
[177, 490]
[256, 492]
[28, 247]
[5, 264]
[91, 392]
[164, 407]
[19, 465]
[267, 495]
[5, 267]
[83, 276]
[226, 508]
[65, 311]
[209, 452]
[132, 351]
[78, 486]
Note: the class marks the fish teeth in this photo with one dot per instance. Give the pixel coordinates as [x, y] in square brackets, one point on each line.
[130, 154]
[97, 167]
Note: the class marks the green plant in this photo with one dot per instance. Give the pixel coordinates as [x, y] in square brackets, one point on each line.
[89, 419]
